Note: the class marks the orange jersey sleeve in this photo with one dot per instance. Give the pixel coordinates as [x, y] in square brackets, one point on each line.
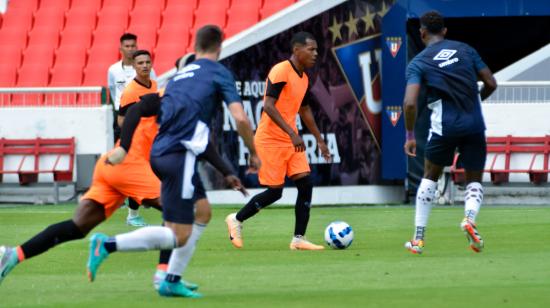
[289, 88]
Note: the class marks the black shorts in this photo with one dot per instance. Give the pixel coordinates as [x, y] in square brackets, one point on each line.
[180, 185]
[440, 150]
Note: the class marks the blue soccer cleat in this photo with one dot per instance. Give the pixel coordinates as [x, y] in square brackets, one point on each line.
[176, 289]
[160, 275]
[8, 260]
[136, 221]
[98, 253]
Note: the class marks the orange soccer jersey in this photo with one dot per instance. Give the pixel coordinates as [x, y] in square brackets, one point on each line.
[147, 129]
[273, 145]
[289, 88]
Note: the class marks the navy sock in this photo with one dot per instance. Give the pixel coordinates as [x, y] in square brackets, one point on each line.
[173, 278]
[110, 245]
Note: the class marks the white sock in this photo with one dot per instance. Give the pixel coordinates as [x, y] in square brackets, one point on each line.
[424, 199]
[473, 196]
[181, 256]
[132, 213]
[146, 238]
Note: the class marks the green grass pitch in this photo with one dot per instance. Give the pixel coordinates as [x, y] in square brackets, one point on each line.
[376, 271]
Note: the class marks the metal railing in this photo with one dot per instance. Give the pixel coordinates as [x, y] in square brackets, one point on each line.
[521, 92]
[53, 97]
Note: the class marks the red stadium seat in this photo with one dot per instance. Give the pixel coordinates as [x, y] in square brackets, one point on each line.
[241, 16]
[178, 16]
[146, 15]
[144, 3]
[81, 17]
[40, 54]
[49, 17]
[114, 16]
[95, 76]
[9, 74]
[210, 14]
[92, 5]
[66, 76]
[11, 55]
[76, 36]
[108, 35]
[31, 75]
[60, 4]
[74, 55]
[43, 37]
[219, 3]
[30, 5]
[166, 56]
[102, 56]
[109, 4]
[174, 3]
[17, 38]
[235, 27]
[272, 7]
[147, 36]
[169, 36]
[17, 19]
[247, 5]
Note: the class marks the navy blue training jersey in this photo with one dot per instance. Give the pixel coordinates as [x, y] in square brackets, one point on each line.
[190, 100]
[448, 69]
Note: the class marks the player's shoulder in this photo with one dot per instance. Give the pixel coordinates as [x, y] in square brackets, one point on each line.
[283, 66]
[115, 67]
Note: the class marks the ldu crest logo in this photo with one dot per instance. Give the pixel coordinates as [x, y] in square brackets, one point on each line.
[394, 113]
[393, 43]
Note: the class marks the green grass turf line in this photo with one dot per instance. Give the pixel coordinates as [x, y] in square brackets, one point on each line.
[376, 271]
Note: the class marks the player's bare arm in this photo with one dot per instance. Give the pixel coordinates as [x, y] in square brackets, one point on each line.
[245, 131]
[409, 105]
[489, 83]
[309, 121]
[275, 115]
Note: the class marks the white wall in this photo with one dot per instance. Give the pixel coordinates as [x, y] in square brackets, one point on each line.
[91, 127]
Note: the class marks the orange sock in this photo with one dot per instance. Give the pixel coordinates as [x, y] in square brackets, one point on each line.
[162, 267]
[20, 254]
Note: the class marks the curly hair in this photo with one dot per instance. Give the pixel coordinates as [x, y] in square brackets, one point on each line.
[432, 21]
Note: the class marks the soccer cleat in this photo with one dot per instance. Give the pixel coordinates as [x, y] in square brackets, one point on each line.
[301, 243]
[160, 275]
[98, 253]
[475, 240]
[415, 246]
[176, 289]
[8, 260]
[136, 221]
[235, 228]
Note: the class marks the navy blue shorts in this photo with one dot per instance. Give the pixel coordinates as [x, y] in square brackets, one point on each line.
[180, 186]
[440, 150]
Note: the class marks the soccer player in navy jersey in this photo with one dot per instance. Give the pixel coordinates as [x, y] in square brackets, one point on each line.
[449, 71]
[188, 105]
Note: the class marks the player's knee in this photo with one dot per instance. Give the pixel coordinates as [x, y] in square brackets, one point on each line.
[304, 185]
[274, 194]
[203, 212]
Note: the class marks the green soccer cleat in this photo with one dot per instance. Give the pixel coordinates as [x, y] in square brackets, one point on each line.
[98, 253]
[136, 221]
[474, 238]
[8, 260]
[160, 275]
[176, 289]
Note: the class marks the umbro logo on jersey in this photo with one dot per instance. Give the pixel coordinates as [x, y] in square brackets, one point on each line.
[444, 54]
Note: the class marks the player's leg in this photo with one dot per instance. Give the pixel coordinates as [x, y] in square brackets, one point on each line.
[134, 219]
[473, 152]
[299, 171]
[439, 153]
[203, 214]
[271, 174]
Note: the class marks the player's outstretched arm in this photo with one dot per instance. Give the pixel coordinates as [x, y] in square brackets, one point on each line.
[309, 121]
[213, 157]
[489, 83]
[245, 131]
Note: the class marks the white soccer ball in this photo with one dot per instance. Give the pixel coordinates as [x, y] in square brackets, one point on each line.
[339, 235]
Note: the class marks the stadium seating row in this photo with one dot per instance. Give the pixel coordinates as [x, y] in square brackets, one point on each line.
[508, 146]
[72, 43]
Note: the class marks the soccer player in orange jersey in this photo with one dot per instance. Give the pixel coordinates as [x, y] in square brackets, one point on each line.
[278, 144]
[141, 84]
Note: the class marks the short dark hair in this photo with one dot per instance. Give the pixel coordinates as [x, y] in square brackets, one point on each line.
[208, 38]
[433, 22]
[183, 61]
[140, 52]
[300, 38]
[127, 37]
